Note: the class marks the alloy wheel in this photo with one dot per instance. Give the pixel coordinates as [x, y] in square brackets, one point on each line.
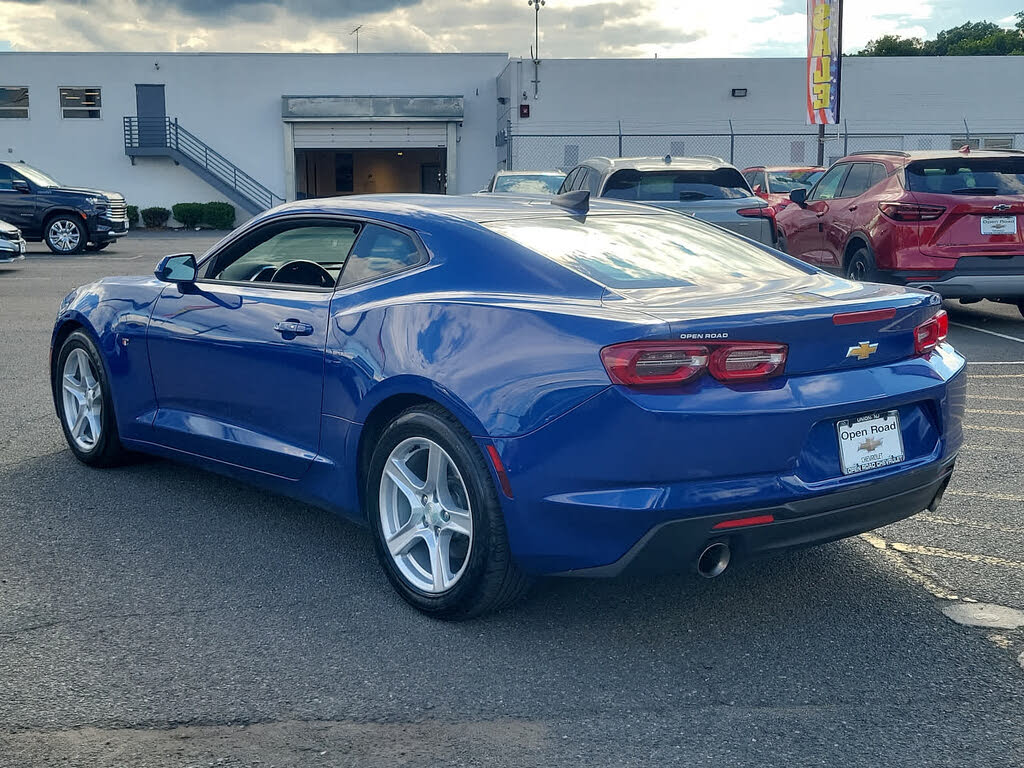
[83, 400]
[64, 235]
[425, 515]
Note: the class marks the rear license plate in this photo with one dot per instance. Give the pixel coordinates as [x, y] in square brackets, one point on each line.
[999, 225]
[869, 442]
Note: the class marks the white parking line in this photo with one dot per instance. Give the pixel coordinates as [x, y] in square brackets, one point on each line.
[993, 496]
[995, 412]
[914, 549]
[991, 333]
[996, 362]
[968, 523]
[994, 429]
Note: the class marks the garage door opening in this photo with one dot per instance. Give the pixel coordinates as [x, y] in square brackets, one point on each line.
[330, 172]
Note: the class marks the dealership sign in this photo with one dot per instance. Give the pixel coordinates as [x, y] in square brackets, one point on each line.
[824, 60]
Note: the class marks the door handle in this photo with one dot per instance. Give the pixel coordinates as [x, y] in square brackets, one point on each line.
[293, 328]
[853, 207]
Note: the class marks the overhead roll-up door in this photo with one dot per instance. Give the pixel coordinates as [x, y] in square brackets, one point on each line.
[369, 134]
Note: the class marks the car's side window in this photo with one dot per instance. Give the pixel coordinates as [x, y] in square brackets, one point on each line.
[583, 179]
[306, 252]
[6, 175]
[570, 180]
[380, 251]
[594, 183]
[755, 178]
[829, 184]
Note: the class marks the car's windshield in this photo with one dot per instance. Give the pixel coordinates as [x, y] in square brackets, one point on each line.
[646, 251]
[529, 184]
[675, 186]
[787, 181]
[37, 177]
[967, 176]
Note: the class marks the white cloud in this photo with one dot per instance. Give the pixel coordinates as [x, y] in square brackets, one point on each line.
[569, 28]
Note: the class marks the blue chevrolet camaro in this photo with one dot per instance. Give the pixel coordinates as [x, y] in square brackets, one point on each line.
[506, 387]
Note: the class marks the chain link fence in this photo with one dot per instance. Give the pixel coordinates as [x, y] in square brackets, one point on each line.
[564, 151]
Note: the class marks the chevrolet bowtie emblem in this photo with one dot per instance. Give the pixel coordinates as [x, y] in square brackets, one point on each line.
[869, 445]
[862, 351]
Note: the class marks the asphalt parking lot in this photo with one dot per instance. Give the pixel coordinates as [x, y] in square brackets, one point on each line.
[155, 615]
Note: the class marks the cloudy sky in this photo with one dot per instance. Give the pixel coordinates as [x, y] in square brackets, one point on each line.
[569, 28]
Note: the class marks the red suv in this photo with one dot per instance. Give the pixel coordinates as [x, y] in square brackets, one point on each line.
[941, 221]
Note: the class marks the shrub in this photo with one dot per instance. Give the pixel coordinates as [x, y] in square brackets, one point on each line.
[133, 215]
[218, 215]
[155, 217]
[189, 214]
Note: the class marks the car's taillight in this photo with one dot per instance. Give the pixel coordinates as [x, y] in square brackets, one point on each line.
[665, 363]
[757, 213]
[929, 334]
[654, 363]
[911, 211]
[734, 362]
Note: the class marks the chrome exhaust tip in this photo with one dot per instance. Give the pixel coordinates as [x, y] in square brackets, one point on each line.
[713, 560]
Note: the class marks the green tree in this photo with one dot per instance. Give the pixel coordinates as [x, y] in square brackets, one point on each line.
[975, 38]
[893, 45]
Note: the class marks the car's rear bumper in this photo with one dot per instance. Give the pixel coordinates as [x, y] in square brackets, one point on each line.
[976, 286]
[972, 277]
[676, 545]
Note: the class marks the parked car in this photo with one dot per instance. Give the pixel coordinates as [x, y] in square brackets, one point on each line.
[613, 386]
[12, 244]
[706, 187]
[68, 219]
[774, 183]
[942, 221]
[525, 182]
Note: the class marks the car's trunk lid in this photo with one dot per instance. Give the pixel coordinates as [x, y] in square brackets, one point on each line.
[800, 312]
[725, 213]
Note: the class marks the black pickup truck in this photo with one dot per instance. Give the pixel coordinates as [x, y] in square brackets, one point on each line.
[68, 219]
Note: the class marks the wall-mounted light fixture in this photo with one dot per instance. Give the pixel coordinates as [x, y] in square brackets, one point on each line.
[739, 92]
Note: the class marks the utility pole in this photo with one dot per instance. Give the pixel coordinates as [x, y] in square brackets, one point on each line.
[356, 33]
[536, 4]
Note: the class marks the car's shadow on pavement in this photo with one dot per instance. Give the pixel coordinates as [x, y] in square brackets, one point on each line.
[157, 592]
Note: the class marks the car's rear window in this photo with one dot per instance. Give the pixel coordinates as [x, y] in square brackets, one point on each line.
[967, 176]
[787, 181]
[632, 251]
[541, 184]
[677, 186]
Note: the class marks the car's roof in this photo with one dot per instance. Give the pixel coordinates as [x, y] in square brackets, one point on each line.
[699, 163]
[476, 207]
[930, 154]
[530, 173]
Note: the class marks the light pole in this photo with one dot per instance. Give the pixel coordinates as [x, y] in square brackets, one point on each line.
[536, 4]
[356, 33]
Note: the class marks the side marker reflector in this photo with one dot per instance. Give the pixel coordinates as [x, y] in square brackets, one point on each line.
[743, 522]
[506, 486]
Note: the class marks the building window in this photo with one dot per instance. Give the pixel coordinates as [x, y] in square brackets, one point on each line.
[982, 142]
[13, 101]
[80, 102]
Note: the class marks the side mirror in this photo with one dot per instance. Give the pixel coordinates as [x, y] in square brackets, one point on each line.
[178, 268]
[20, 185]
[799, 196]
[758, 189]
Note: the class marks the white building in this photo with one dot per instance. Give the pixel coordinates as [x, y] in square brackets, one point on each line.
[253, 129]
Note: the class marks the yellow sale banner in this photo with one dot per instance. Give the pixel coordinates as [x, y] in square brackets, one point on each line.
[824, 60]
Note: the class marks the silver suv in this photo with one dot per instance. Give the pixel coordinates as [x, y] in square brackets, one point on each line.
[706, 187]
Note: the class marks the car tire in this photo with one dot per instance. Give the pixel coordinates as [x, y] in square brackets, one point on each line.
[65, 235]
[84, 403]
[97, 246]
[861, 267]
[451, 553]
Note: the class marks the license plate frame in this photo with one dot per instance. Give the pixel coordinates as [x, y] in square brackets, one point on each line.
[999, 225]
[871, 433]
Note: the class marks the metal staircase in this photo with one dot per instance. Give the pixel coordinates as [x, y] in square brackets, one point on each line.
[163, 137]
